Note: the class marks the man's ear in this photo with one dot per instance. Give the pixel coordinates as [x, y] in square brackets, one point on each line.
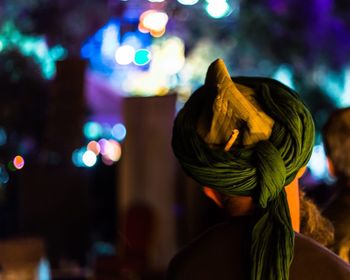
[330, 167]
[213, 195]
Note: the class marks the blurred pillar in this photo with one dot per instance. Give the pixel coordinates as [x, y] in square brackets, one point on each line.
[147, 171]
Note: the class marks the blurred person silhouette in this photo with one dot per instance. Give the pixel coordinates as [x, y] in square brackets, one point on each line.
[336, 136]
[248, 140]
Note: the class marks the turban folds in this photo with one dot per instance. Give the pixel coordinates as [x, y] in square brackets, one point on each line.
[275, 140]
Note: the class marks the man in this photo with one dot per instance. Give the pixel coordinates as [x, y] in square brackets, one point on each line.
[336, 135]
[248, 141]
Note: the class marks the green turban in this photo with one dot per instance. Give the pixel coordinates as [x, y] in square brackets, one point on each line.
[276, 136]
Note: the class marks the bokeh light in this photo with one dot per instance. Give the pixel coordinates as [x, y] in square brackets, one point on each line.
[157, 33]
[142, 57]
[18, 162]
[119, 131]
[110, 40]
[44, 272]
[94, 147]
[107, 161]
[132, 39]
[218, 8]
[112, 151]
[115, 151]
[153, 21]
[103, 145]
[188, 2]
[284, 74]
[125, 55]
[89, 158]
[92, 130]
[32, 46]
[77, 157]
[318, 162]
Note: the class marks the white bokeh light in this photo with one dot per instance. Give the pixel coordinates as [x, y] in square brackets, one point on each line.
[89, 158]
[124, 55]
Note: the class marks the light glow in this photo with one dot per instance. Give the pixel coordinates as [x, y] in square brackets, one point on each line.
[153, 21]
[92, 130]
[284, 74]
[318, 162]
[188, 2]
[119, 131]
[125, 55]
[89, 158]
[110, 40]
[112, 151]
[94, 147]
[18, 162]
[77, 157]
[142, 57]
[218, 9]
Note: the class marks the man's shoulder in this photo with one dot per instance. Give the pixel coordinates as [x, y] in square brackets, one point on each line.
[218, 253]
[313, 261]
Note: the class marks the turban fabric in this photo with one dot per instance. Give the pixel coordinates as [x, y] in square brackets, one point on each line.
[261, 162]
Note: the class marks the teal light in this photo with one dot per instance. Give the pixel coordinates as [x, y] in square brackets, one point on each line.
[218, 8]
[92, 130]
[187, 2]
[31, 46]
[44, 272]
[284, 74]
[77, 157]
[142, 57]
[57, 52]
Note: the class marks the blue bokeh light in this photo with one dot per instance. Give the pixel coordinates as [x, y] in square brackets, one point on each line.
[119, 131]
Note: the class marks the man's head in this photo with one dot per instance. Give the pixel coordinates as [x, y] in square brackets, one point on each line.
[336, 136]
[275, 140]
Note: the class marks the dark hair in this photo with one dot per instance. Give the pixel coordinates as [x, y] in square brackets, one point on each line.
[336, 136]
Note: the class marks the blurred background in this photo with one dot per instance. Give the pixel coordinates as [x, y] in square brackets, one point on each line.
[89, 188]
